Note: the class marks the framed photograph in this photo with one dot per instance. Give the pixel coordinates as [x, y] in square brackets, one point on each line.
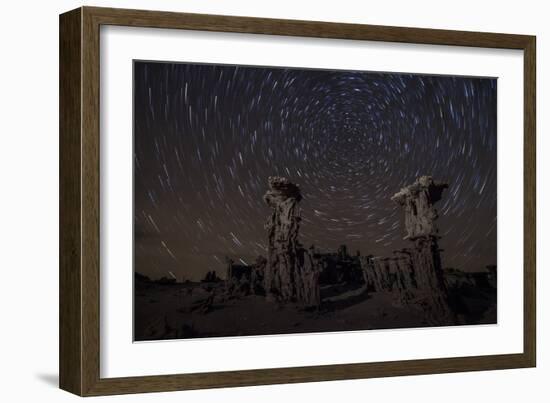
[251, 201]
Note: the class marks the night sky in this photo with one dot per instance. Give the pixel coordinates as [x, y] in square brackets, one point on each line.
[207, 137]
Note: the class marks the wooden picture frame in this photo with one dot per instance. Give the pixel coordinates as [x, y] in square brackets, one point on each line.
[79, 201]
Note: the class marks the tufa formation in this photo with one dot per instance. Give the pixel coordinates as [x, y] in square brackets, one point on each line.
[418, 202]
[415, 274]
[291, 274]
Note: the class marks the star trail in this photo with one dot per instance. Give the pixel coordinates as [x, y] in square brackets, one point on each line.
[207, 137]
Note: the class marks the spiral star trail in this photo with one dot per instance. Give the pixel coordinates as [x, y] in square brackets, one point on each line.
[207, 137]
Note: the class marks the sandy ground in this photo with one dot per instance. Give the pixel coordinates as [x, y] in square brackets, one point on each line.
[189, 311]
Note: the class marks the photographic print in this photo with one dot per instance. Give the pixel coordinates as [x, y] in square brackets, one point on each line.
[273, 200]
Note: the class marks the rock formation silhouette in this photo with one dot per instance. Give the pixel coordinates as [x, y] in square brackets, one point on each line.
[242, 279]
[418, 202]
[415, 274]
[291, 273]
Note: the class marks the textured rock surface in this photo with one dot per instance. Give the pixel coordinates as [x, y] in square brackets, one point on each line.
[432, 291]
[415, 274]
[418, 202]
[244, 280]
[290, 274]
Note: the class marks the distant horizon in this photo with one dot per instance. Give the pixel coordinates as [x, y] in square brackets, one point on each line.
[220, 272]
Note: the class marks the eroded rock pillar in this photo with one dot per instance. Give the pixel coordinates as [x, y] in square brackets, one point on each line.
[290, 274]
[418, 202]
[423, 277]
